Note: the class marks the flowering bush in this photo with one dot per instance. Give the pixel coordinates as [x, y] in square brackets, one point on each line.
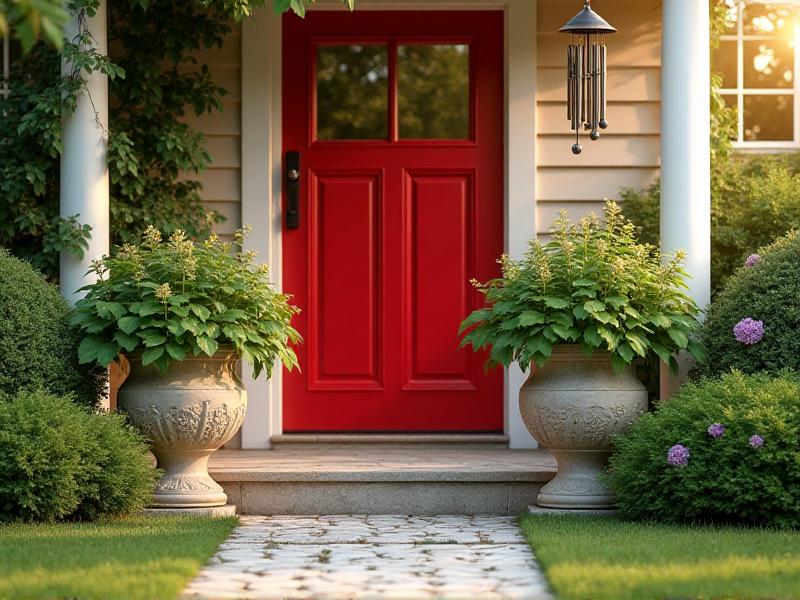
[753, 322]
[725, 449]
[169, 299]
[594, 285]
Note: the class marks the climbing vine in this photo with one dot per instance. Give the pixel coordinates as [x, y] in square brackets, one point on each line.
[154, 82]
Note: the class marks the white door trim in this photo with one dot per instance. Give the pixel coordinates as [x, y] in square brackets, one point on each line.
[261, 168]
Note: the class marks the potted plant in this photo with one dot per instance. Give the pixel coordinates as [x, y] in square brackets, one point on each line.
[582, 308]
[182, 313]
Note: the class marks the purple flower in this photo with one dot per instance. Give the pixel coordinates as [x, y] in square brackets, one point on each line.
[716, 430]
[752, 260]
[678, 456]
[748, 331]
[756, 441]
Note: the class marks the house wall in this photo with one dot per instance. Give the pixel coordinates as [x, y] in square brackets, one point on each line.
[222, 181]
[627, 154]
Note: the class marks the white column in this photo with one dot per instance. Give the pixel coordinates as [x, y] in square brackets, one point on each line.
[520, 172]
[685, 162]
[84, 172]
[261, 196]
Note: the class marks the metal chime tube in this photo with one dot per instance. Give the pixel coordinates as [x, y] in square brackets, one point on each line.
[603, 123]
[595, 87]
[570, 79]
[580, 107]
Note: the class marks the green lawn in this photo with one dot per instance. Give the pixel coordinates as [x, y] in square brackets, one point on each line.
[144, 558]
[605, 558]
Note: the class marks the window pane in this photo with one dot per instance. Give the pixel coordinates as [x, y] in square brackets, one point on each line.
[724, 62]
[768, 118]
[352, 92]
[769, 19]
[768, 64]
[433, 91]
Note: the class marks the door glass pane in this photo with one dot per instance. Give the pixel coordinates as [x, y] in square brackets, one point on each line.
[724, 62]
[768, 19]
[352, 92]
[433, 91]
[768, 118]
[768, 64]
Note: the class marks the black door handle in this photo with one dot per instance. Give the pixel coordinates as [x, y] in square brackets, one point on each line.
[292, 189]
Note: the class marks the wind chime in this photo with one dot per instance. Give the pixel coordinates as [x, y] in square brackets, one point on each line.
[586, 73]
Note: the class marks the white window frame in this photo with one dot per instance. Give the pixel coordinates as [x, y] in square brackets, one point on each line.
[740, 91]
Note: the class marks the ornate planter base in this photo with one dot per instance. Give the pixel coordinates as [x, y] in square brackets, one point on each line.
[187, 413]
[576, 484]
[573, 406]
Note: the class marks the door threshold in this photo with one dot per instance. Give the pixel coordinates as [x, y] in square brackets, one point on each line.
[389, 438]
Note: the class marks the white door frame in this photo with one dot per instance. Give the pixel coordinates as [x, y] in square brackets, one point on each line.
[261, 169]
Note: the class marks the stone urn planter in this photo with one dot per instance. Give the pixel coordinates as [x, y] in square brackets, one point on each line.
[573, 406]
[187, 412]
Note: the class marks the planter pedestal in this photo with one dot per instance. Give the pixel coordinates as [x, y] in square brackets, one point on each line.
[187, 413]
[573, 406]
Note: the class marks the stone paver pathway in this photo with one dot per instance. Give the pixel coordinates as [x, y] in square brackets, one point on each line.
[360, 557]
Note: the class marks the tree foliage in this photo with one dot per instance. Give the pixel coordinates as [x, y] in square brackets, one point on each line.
[154, 82]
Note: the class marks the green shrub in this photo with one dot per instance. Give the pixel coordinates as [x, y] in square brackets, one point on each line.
[38, 346]
[726, 479]
[754, 200]
[768, 292]
[58, 461]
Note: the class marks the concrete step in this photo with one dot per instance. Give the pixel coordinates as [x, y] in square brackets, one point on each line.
[419, 479]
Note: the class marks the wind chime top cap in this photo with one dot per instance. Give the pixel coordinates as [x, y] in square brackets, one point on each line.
[587, 21]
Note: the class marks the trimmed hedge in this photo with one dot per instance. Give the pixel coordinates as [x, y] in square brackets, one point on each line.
[38, 346]
[768, 292]
[58, 461]
[749, 473]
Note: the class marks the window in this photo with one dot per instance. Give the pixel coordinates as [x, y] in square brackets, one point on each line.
[393, 91]
[758, 59]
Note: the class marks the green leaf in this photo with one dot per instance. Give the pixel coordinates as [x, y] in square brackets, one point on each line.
[616, 302]
[150, 308]
[110, 310]
[579, 312]
[531, 317]
[127, 341]
[638, 342]
[128, 324]
[562, 318]
[618, 363]
[176, 351]
[474, 317]
[556, 302]
[591, 336]
[153, 339]
[207, 345]
[151, 354]
[678, 337]
[201, 311]
[593, 306]
[625, 351]
[88, 348]
[661, 351]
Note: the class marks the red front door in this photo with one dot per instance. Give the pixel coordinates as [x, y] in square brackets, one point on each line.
[396, 119]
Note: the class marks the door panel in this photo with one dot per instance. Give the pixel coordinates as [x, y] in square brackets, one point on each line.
[398, 121]
[345, 310]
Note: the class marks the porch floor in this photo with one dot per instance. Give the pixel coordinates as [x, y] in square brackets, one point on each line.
[382, 479]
